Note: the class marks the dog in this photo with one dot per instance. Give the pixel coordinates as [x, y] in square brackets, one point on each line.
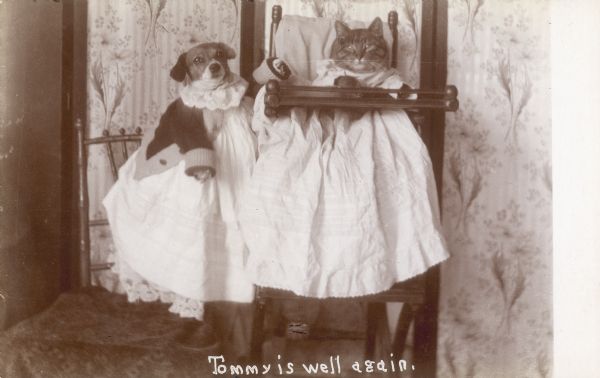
[186, 132]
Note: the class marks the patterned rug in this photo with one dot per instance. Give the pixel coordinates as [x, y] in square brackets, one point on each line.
[94, 333]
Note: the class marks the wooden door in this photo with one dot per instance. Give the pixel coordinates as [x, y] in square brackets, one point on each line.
[30, 156]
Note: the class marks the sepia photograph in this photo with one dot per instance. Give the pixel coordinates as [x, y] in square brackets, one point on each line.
[299, 188]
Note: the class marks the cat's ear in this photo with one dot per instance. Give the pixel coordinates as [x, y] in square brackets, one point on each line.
[342, 30]
[376, 27]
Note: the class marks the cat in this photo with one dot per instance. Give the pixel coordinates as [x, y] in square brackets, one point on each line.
[360, 50]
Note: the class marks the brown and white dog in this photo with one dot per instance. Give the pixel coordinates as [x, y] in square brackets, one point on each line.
[186, 132]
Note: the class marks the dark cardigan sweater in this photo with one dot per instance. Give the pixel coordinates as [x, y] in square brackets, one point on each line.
[181, 134]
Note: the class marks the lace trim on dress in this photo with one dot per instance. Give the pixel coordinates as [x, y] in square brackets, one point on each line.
[138, 289]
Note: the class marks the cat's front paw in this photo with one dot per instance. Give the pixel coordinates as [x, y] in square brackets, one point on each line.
[202, 176]
[346, 81]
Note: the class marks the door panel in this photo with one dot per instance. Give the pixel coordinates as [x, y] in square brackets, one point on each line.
[30, 155]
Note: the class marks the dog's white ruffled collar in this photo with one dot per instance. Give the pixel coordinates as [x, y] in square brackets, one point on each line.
[224, 94]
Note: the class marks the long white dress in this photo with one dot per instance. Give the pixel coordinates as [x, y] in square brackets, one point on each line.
[340, 207]
[177, 239]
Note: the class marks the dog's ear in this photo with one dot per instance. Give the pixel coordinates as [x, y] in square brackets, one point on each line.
[179, 70]
[229, 52]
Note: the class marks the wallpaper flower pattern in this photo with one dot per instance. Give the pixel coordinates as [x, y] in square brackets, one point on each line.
[496, 299]
[132, 45]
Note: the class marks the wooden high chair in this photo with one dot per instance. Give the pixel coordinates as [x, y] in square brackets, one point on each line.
[420, 294]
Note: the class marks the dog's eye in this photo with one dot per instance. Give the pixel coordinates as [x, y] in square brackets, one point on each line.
[219, 54]
[198, 60]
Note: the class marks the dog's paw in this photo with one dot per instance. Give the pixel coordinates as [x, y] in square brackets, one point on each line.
[201, 174]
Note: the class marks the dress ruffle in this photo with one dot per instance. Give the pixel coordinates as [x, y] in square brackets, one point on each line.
[138, 289]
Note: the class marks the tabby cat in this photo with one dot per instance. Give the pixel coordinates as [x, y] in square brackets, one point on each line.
[360, 50]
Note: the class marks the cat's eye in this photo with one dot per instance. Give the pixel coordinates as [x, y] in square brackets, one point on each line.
[342, 40]
[198, 60]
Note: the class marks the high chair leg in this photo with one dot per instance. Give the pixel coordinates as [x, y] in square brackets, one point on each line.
[376, 315]
[405, 319]
[258, 323]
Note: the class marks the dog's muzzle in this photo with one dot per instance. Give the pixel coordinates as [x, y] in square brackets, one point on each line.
[214, 68]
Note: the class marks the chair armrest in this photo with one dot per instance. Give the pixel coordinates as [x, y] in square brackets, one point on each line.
[279, 96]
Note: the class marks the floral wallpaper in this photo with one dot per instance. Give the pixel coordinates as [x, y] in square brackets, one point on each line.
[496, 299]
[132, 45]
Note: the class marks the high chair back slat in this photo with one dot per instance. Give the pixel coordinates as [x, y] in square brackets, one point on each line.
[126, 142]
[124, 148]
[111, 158]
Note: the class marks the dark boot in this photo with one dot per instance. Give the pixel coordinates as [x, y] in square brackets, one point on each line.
[196, 335]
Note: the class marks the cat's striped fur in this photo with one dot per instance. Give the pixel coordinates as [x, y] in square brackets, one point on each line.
[360, 50]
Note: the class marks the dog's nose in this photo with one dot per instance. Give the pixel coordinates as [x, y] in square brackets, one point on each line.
[214, 67]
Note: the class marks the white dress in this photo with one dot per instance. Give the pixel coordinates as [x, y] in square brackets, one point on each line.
[177, 239]
[340, 207]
